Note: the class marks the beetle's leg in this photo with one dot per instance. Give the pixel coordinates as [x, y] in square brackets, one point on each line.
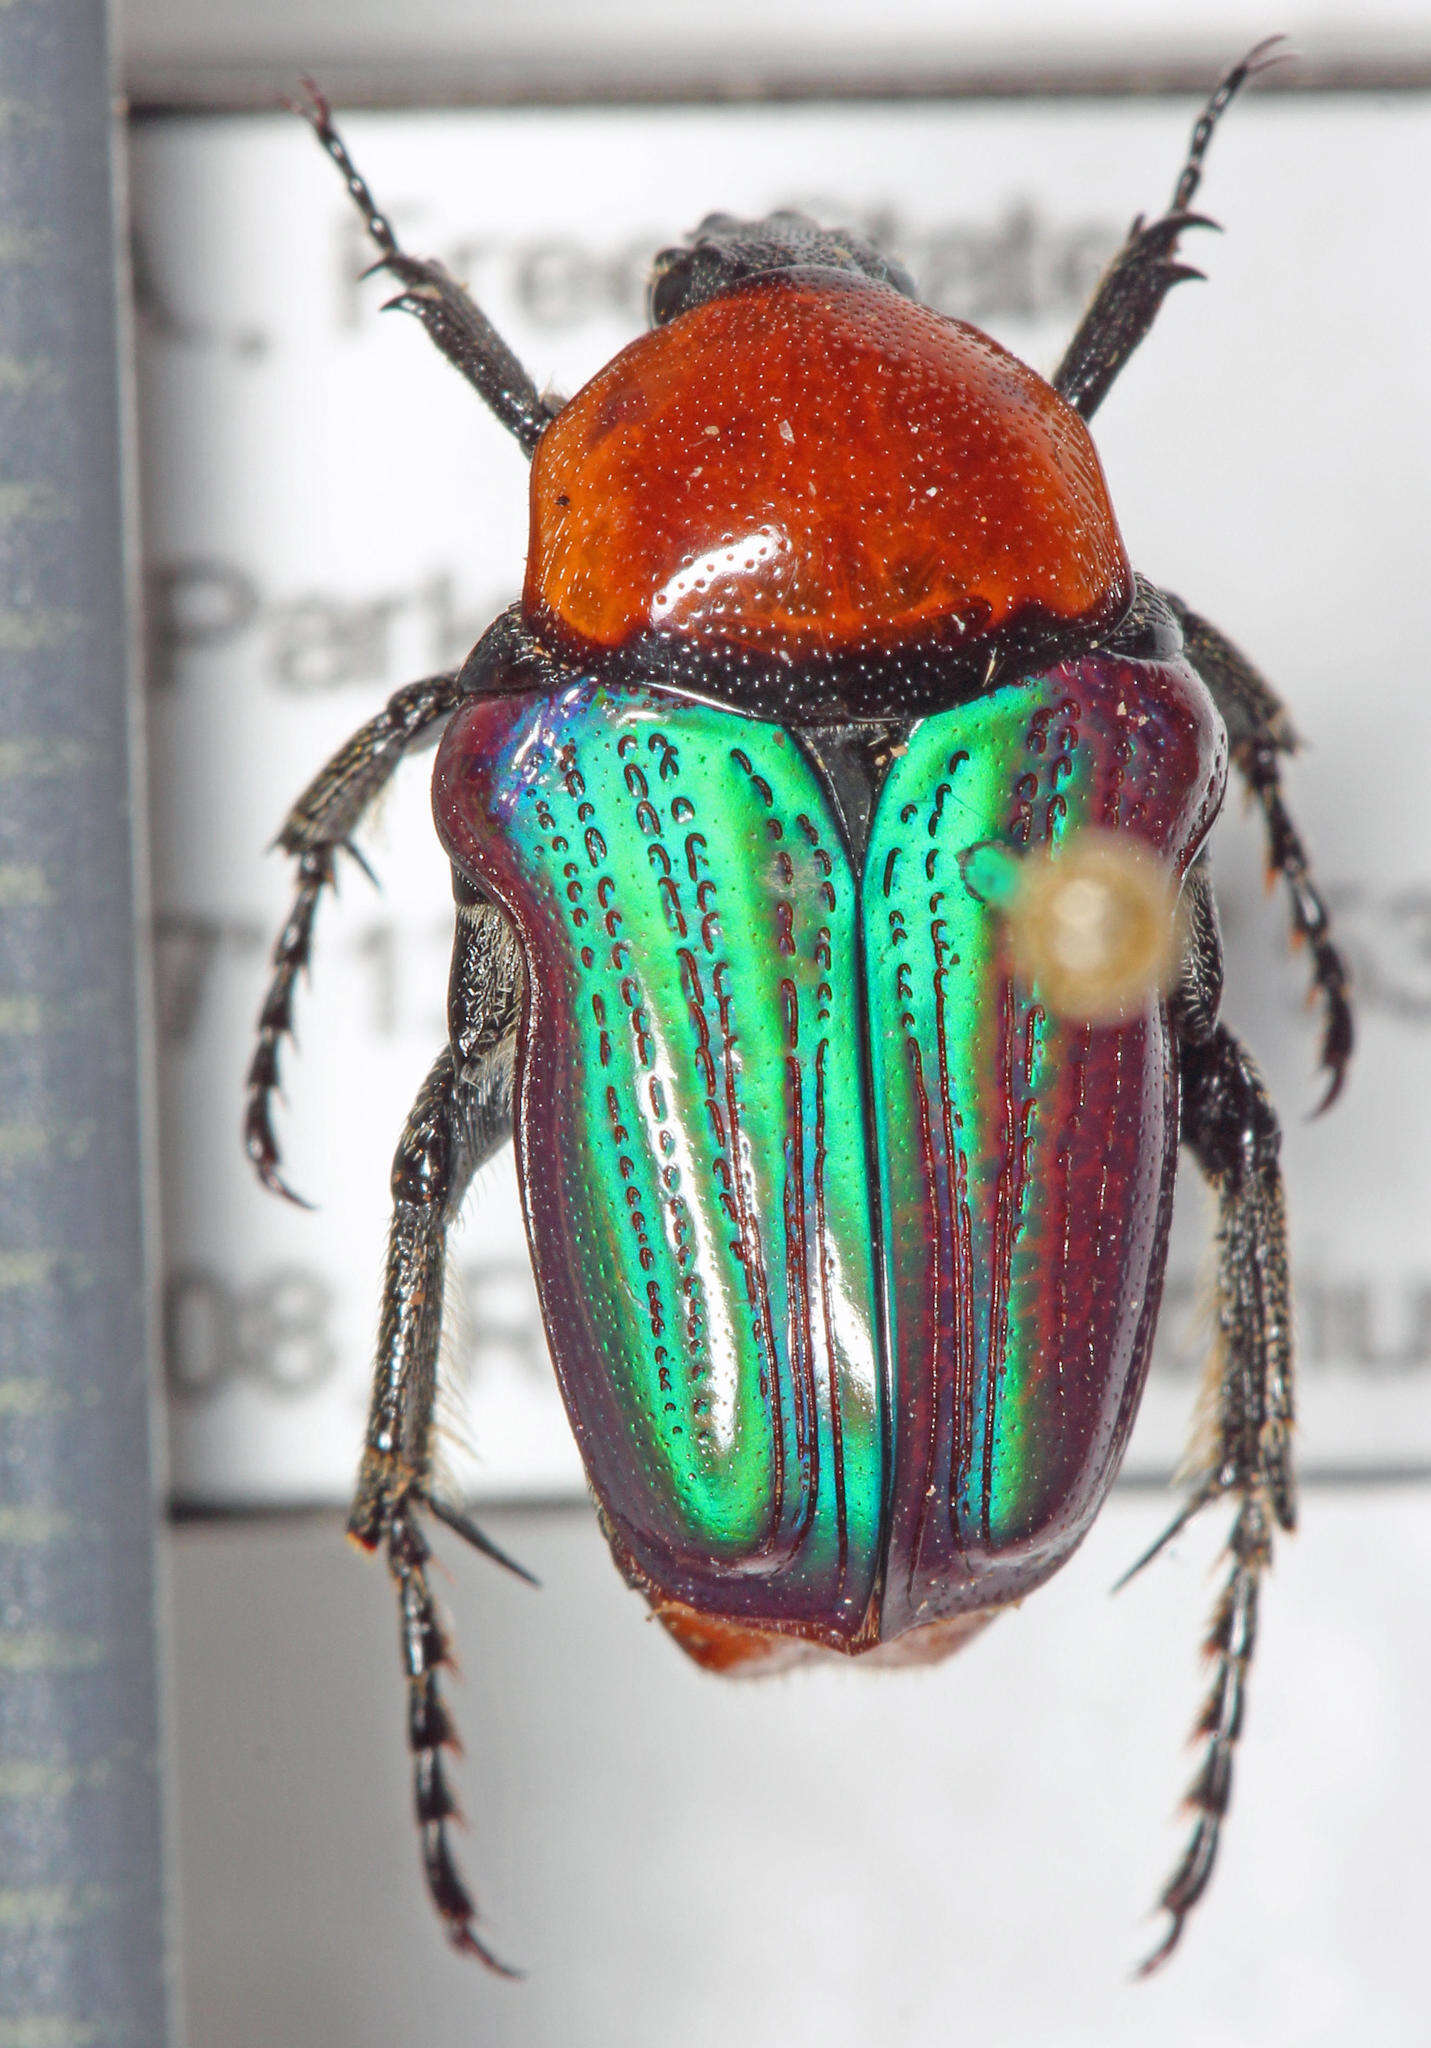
[453, 320]
[1145, 269]
[1260, 731]
[462, 1115]
[320, 824]
[1229, 1125]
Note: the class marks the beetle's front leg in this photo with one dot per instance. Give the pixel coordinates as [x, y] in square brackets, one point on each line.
[454, 321]
[462, 1115]
[1229, 1125]
[1260, 732]
[318, 827]
[1146, 268]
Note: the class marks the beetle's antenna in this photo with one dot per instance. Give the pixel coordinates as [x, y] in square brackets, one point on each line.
[1261, 57]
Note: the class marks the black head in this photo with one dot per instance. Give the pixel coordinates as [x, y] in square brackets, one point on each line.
[723, 251]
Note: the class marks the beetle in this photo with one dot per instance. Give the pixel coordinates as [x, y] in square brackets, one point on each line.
[848, 1214]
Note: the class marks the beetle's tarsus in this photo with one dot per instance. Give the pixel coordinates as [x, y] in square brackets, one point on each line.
[311, 107]
[272, 1179]
[1139, 278]
[320, 825]
[289, 959]
[1229, 1125]
[1338, 1032]
[430, 1732]
[1272, 50]
[466, 1940]
[1231, 1641]
[454, 322]
[1330, 1093]
[1310, 919]
[314, 108]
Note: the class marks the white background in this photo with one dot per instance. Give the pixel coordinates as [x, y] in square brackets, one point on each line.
[836, 1858]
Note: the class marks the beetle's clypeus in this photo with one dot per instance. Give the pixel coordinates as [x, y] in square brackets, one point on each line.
[846, 1173]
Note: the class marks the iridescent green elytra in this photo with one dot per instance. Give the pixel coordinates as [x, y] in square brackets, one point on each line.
[813, 1185]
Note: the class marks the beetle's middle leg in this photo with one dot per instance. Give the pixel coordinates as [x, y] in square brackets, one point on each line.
[1260, 733]
[320, 825]
[1229, 1125]
[461, 1117]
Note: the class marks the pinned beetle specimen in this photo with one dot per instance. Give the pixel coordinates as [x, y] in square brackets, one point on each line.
[817, 819]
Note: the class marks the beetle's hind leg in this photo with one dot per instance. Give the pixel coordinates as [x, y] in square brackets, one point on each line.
[462, 1115]
[1260, 733]
[319, 826]
[1146, 268]
[1229, 1125]
[454, 321]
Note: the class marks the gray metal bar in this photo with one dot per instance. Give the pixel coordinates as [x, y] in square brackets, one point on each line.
[157, 85]
[81, 1899]
[211, 54]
